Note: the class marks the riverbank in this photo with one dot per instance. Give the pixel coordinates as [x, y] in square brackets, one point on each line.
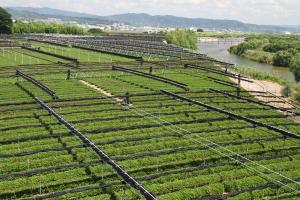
[266, 86]
[258, 75]
[279, 50]
[259, 56]
[258, 71]
[218, 49]
[264, 82]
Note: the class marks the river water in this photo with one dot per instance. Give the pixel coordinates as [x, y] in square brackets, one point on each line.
[217, 48]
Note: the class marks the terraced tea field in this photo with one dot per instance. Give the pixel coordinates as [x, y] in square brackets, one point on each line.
[122, 128]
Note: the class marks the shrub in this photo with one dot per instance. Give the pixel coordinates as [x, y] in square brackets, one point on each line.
[296, 93]
[295, 67]
[96, 31]
[284, 58]
[287, 90]
[275, 47]
[293, 91]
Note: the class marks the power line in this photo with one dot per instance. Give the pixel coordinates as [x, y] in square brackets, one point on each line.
[159, 120]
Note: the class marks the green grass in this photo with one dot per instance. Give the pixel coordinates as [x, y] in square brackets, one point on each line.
[18, 56]
[247, 71]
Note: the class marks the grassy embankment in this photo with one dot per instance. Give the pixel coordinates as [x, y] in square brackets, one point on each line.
[291, 89]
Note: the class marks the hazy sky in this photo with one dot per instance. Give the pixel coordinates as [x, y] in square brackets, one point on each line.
[252, 11]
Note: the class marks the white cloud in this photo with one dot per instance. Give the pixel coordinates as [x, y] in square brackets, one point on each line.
[252, 11]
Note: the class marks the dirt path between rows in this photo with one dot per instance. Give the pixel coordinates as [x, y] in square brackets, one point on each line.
[100, 90]
[261, 85]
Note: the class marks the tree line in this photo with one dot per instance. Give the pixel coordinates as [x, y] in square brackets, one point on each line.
[20, 27]
[7, 26]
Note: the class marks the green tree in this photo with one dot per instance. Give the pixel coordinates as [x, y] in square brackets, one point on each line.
[183, 38]
[5, 22]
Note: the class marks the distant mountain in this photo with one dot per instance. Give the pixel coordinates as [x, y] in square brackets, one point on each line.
[51, 11]
[173, 21]
[291, 26]
[146, 20]
[25, 13]
[182, 22]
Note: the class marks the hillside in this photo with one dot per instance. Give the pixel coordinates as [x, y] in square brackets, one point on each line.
[173, 21]
[85, 118]
[46, 13]
[146, 20]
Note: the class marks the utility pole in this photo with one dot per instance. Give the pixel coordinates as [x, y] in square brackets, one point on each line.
[239, 85]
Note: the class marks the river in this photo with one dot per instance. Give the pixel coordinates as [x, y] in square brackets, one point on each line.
[217, 48]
